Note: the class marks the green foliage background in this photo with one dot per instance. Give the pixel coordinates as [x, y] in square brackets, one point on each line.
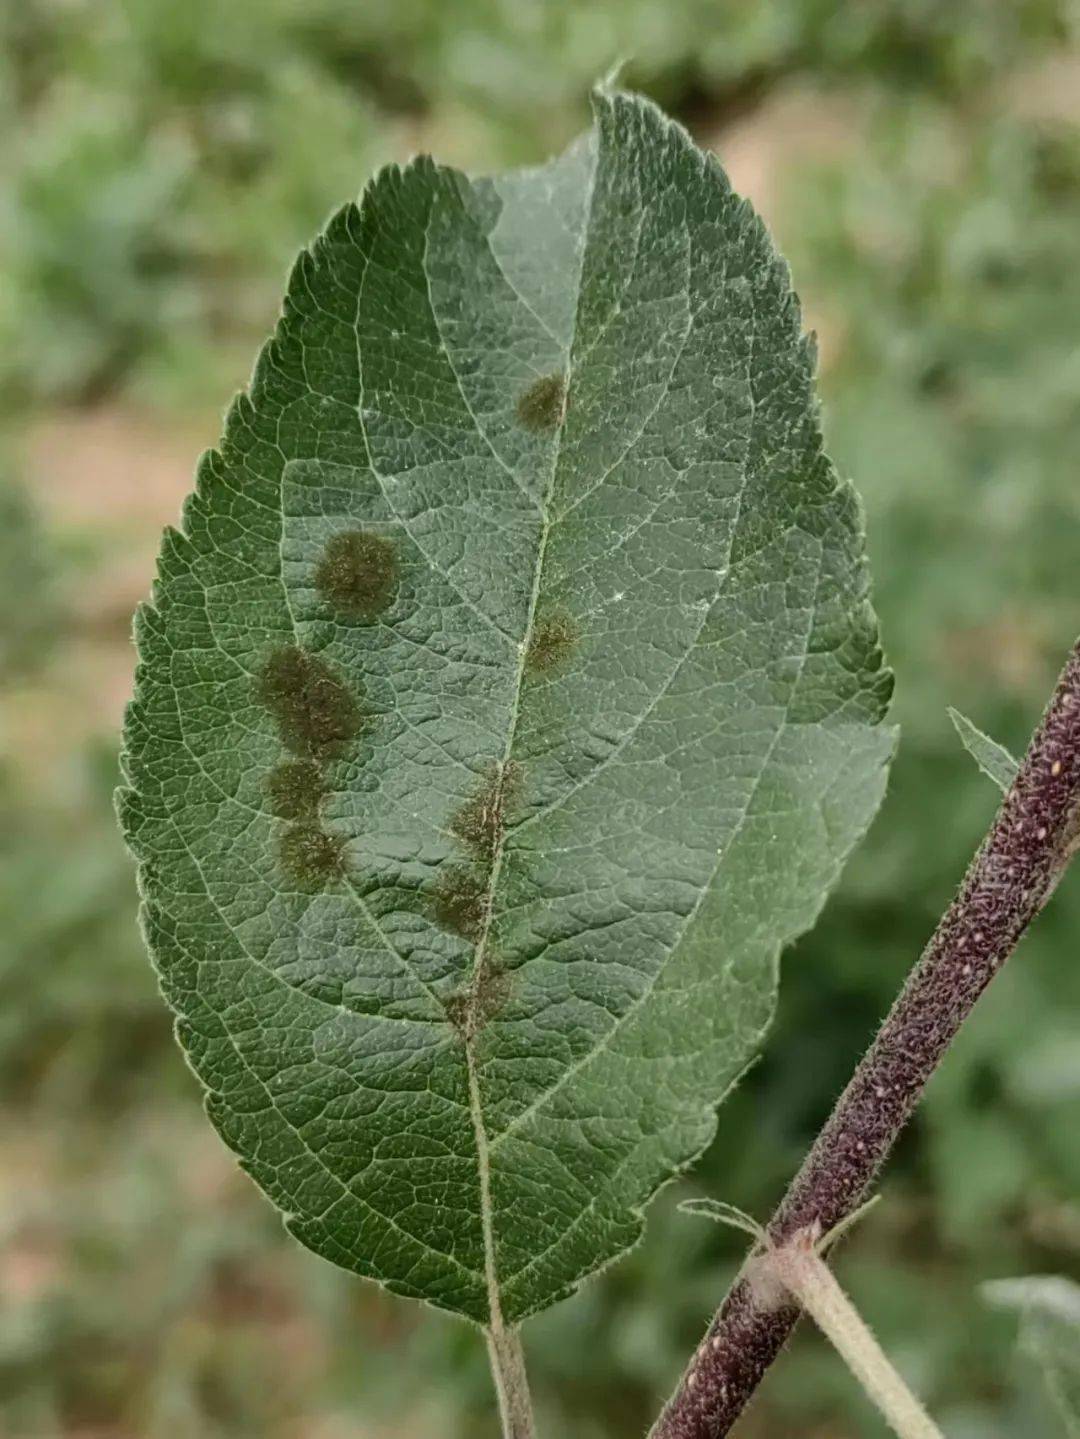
[920, 165]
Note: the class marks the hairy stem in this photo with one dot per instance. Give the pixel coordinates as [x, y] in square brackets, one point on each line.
[1011, 877]
[511, 1383]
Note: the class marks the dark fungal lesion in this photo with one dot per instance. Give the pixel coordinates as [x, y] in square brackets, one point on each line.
[296, 788]
[462, 898]
[552, 639]
[470, 1009]
[480, 823]
[317, 716]
[311, 857]
[460, 901]
[542, 404]
[357, 574]
[316, 713]
[491, 991]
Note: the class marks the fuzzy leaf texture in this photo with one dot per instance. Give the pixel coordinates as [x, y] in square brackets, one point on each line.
[510, 696]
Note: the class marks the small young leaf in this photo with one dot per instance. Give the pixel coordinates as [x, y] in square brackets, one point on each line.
[510, 697]
[993, 759]
[1049, 1334]
[722, 1213]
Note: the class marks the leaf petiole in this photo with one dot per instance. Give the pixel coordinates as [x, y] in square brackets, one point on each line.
[803, 1272]
[511, 1383]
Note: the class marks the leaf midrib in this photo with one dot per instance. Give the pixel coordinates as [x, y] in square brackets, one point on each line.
[476, 1109]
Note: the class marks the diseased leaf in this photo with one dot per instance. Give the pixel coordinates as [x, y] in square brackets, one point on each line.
[993, 759]
[509, 698]
[1049, 1334]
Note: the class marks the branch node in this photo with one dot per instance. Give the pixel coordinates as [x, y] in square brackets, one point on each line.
[1014, 872]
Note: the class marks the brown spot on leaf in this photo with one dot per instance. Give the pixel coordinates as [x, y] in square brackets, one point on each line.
[460, 902]
[551, 641]
[470, 1009]
[311, 857]
[457, 1010]
[316, 714]
[542, 404]
[481, 821]
[295, 787]
[491, 992]
[357, 573]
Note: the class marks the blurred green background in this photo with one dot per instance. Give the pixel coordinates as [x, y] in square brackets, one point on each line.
[162, 161]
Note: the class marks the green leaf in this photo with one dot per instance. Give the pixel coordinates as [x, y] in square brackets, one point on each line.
[993, 759]
[509, 698]
[721, 1212]
[1049, 1334]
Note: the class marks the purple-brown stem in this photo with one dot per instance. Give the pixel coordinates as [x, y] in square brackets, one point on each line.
[1034, 835]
